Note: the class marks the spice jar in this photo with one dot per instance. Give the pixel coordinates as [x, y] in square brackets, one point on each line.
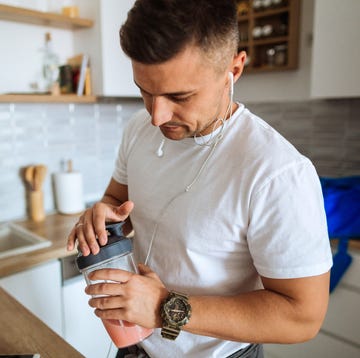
[117, 253]
[270, 56]
[280, 55]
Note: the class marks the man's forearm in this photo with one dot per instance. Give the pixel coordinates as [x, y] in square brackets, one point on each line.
[262, 316]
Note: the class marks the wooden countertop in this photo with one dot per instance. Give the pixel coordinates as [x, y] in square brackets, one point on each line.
[23, 333]
[55, 228]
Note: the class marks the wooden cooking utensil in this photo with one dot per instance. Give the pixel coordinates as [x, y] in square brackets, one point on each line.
[29, 176]
[39, 176]
[34, 176]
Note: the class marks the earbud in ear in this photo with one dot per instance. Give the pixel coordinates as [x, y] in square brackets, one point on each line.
[231, 78]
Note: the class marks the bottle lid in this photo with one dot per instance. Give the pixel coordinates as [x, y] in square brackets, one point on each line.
[116, 245]
[113, 248]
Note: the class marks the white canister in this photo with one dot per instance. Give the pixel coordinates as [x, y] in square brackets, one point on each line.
[68, 187]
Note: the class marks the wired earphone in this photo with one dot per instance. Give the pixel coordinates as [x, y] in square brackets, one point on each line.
[231, 78]
[160, 151]
[213, 142]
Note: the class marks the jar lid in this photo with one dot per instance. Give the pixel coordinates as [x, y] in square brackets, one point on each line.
[114, 247]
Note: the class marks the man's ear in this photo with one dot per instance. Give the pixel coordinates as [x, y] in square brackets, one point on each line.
[238, 64]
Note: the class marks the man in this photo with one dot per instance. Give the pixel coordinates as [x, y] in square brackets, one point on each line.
[224, 209]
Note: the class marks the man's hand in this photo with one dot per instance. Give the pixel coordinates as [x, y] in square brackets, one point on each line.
[135, 298]
[91, 226]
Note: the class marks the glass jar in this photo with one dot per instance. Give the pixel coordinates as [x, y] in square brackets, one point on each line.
[280, 57]
[270, 56]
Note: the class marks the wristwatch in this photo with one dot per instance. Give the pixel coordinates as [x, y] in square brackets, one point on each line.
[175, 312]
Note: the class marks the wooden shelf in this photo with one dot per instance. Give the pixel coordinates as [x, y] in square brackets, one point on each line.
[270, 40]
[266, 68]
[18, 14]
[41, 98]
[243, 18]
[272, 12]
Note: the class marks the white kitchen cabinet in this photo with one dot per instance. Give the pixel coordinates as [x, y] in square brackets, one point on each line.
[339, 335]
[39, 290]
[336, 51]
[111, 69]
[82, 329]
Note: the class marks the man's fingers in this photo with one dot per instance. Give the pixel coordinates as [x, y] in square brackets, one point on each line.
[107, 213]
[71, 240]
[146, 271]
[124, 210]
[119, 213]
[87, 238]
[90, 231]
[111, 274]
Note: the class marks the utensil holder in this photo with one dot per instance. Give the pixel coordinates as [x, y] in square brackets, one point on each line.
[36, 205]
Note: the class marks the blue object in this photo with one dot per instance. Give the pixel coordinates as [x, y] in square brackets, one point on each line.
[341, 262]
[342, 206]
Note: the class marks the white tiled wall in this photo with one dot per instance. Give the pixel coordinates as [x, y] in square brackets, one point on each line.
[89, 134]
[328, 132]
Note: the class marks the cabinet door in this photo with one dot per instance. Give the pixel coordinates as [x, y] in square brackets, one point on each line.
[336, 50]
[39, 290]
[83, 330]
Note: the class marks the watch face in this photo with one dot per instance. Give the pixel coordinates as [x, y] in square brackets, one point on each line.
[177, 311]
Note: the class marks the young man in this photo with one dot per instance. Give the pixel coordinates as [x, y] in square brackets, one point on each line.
[225, 211]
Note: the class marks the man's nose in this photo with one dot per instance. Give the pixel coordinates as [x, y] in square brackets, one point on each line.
[161, 111]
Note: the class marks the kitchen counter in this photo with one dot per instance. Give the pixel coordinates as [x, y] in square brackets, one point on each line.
[55, 228]
[22, 332]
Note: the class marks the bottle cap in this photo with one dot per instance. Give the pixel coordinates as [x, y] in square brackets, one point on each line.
[116, 245]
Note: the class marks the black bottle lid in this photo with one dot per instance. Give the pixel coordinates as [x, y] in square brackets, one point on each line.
[117, 245]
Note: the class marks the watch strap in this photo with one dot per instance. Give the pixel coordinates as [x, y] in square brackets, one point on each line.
[169, 331]
[175, 293]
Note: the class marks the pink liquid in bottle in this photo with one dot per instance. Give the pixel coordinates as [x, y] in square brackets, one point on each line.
[125, 334]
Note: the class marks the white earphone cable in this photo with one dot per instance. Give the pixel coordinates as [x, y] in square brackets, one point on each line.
[216, 140]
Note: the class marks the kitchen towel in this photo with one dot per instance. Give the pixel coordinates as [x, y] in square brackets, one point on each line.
[69, 192]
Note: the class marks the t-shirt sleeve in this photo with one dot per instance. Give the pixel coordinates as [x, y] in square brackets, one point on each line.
[287, 233]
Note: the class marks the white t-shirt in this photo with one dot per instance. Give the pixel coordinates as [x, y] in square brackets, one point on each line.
[256, 209]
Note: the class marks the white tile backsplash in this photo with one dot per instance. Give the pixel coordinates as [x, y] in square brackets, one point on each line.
[89, 134]
[326, 131]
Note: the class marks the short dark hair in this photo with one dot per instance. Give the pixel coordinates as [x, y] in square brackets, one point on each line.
[157, 30]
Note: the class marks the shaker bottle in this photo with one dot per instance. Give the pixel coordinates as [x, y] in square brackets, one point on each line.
[117, 253]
